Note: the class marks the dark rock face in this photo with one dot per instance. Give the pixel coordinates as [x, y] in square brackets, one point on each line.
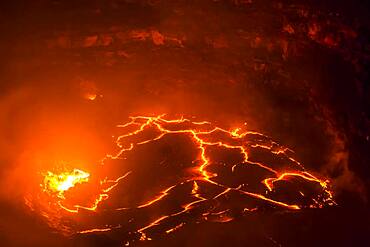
[297, 71]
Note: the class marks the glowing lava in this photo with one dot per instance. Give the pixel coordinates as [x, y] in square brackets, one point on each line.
[206, 185]
[59, 183]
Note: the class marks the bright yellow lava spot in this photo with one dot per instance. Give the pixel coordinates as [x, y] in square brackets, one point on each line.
[59, 183]
[91, 96]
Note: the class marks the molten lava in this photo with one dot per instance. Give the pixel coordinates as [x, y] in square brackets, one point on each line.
[226, 164]
[59, 183]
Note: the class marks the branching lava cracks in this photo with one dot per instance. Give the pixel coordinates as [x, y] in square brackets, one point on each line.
[228, 172]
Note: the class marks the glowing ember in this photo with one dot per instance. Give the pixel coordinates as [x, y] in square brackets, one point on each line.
[90, 96]
[206, 184]
[59, 183]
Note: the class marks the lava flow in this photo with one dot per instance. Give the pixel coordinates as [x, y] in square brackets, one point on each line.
[170, 173]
